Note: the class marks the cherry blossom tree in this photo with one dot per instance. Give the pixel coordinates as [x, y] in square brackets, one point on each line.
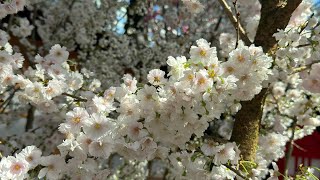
[171, 89]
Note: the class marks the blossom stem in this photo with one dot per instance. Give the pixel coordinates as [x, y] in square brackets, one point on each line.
[236, 171]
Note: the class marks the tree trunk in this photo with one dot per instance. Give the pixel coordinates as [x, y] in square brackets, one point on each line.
[275, 14]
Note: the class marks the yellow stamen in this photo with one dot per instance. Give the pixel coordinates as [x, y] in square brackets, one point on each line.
[29, 158]
[190, 77]
[255, 62]
[240, 58]
[17, 167]
[36, 90]
[230, 69]
[97, 125]
[156, 79]
[148, 96]
[203, 53]
[201, 81]
[76, 120]
[211, 73]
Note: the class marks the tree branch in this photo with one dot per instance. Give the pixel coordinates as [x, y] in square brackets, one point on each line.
[238, 22]
[30, 118]
[234, 22]
[6, 103]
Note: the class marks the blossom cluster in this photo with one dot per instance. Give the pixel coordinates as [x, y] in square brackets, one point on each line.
[42, 82]
[154, 119]
[146, 122]
[40, 85]
[182, 116]
[11, 7]
[16, 167]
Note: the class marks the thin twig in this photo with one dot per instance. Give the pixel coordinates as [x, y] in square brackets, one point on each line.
[5, 107]
[303, 68]
[233, 20]
[238, 22]
[306, 23]
[218, 24]
[303, 45]
[7, 101]
[299, 147]
[278, 107]
[236, 171]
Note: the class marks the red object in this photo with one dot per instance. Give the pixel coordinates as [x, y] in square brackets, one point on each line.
[307, 148]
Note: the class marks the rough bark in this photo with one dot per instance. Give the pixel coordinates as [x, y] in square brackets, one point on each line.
[275, 14]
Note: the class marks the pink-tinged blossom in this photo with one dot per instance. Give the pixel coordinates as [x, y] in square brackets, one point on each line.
[4, 37]
[59, 54]
[5, 58]
[98, 126]
[32, 155]
[208, 148]
[202, 82]
[103, 104]
[130, 83]
[311, 82]
[177, 66]
[19, 4]
[53, 167]
[226, 152]
[77, 118]
[101, 148]
[202, 52]
[156, 77]
[14, 168]
[135, 130]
